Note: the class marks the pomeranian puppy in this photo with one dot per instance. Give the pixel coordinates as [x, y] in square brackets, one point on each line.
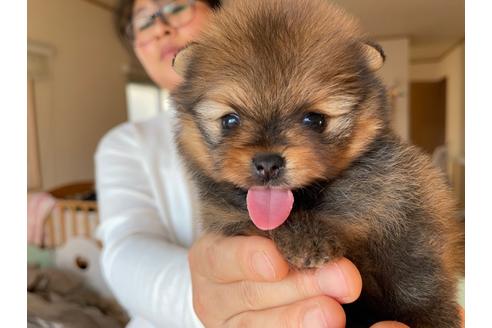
[284, 126]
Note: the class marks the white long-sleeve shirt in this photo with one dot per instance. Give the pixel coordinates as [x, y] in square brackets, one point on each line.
[148, 208]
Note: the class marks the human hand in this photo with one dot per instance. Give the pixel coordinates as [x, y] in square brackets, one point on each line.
[389, 324]
[233, 285]
[394, 324]
[39, 207]
[244, 281]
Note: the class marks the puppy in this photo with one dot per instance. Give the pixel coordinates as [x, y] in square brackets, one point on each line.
[284, 126]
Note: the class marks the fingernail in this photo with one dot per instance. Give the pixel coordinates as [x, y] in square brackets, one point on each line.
[263, 266]
[314, 318]
[331, 281]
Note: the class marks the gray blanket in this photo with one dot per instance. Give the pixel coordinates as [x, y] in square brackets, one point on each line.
[59, 299]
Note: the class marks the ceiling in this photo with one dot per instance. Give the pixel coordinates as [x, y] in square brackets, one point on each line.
[432, 26]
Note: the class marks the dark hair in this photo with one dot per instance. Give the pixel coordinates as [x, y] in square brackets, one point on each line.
[123, 16]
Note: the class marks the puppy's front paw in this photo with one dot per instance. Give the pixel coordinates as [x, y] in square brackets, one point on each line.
[303, 249]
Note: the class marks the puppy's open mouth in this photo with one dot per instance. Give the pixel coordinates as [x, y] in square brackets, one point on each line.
[269, 207]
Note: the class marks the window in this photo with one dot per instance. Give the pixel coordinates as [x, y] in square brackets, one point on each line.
[145, 101]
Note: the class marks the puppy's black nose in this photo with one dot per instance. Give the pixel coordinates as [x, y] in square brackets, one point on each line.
[268, 166]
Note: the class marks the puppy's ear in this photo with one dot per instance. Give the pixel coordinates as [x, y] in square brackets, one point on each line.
[182, 58]
[374, 55]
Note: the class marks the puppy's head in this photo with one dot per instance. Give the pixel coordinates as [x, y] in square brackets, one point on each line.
[278, 95]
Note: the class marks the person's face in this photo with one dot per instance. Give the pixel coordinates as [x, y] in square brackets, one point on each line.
[156, 45]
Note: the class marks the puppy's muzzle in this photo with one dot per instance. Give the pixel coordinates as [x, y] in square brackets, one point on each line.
[268, 166]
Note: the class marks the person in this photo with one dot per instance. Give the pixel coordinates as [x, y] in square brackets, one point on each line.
[158, 265]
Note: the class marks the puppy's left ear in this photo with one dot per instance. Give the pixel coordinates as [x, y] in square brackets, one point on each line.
[182, 58]
[374, 54]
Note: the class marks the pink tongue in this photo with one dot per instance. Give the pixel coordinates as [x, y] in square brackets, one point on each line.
[269, 207]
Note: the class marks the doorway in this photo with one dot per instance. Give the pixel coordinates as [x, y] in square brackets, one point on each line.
[428, 114]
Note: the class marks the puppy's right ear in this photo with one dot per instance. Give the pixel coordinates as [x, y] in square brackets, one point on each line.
[374, 54]
[182, 58]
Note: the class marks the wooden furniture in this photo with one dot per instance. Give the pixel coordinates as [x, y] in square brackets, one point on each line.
[71, 216]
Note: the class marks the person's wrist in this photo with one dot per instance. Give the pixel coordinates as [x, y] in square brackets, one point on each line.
[195, 321]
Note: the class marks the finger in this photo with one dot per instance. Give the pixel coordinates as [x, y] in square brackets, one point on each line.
[389, 324]
[228, 259]
[462, 316]
[394, 324]
[320, 311]
[338, 279]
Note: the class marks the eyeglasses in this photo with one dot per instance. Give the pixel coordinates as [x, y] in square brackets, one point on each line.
[176, 13]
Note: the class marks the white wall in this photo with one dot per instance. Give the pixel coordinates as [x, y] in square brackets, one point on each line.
[84, 94]
[395, 75]
[451, 67]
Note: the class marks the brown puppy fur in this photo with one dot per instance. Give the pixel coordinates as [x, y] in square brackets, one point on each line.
[359, 191]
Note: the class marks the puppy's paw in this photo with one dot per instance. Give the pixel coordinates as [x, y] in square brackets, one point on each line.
[304, 252]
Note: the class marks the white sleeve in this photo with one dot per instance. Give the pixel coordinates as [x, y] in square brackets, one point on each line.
[148, 274]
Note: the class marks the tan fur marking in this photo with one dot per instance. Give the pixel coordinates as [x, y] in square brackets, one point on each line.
[236, 167]
[191, 141]
[211, 112]
[336, 106]
[303, 166]
[365, 130]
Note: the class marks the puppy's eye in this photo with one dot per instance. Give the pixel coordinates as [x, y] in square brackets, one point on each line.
[315, 121]
[230, 121]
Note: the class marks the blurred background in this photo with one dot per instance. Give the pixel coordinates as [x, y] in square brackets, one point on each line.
[82, 81]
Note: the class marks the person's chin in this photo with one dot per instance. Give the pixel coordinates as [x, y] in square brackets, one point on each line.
[169, 79]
